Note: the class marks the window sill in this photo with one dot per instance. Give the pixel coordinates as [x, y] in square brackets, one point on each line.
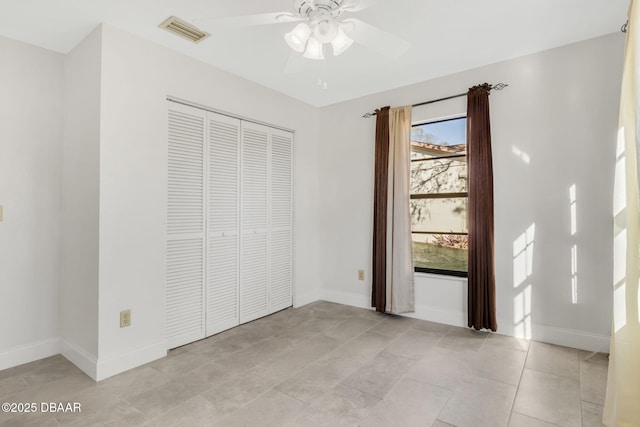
[439, 276]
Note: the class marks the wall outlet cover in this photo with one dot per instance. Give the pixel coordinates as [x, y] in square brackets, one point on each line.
[125, 318]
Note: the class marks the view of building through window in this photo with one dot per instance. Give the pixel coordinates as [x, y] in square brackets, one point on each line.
[439, 197]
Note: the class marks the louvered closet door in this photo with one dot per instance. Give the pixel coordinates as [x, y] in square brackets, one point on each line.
[223, 223]
[280, 241]
[254, 301]
[185, 225]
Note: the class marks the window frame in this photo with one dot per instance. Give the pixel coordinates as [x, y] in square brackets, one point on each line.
[426, 196]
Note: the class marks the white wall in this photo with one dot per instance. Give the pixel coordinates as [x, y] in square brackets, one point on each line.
[137, 76]
[80, 187]
[31, 84]
[553, 127]
[560, 113]
[94, 171]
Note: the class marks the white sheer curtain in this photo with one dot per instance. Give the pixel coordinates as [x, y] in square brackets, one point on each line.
[622, 403]
[400, 290]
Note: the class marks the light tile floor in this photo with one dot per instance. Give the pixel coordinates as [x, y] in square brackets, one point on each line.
[329, 365]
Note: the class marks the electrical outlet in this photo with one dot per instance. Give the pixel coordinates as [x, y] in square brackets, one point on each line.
[360, 274]
[125, 318]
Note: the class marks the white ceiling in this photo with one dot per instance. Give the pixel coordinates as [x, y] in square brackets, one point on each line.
[446, 36]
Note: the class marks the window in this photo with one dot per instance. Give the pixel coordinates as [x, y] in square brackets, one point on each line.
[439, 197]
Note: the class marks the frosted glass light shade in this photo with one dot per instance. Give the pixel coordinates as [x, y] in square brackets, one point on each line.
[314, 49]
[297, 38]
[326, 30]
[341, 42]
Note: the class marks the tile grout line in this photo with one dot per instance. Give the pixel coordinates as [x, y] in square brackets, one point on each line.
[580, 389]
[303, 332]
[349, 340]
[336, 349]
[321, 333]
[404, 375]
[443, 406]
[286, 379]
[515, 396]
[207, 390]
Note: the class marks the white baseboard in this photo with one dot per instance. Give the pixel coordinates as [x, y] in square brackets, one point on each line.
[559, 336]
[113, 366]
[306, 298]
[572, 338]
[79, 357]
[346, 298]
[97, 370]
[29, 352]
[544, 333]
[438, 315]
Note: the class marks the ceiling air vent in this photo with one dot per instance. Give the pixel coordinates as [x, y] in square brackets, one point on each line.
[183, 29]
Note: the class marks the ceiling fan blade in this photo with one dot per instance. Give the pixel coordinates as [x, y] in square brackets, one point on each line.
[358, 5]
[376, 39]
[231, 22]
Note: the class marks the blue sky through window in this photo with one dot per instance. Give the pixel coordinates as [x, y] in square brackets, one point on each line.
[451, 131]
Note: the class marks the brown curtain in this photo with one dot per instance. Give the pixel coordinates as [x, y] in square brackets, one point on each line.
[481, 280]
[381, 190]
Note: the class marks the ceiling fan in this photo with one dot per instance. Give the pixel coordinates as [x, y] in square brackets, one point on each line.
[321, 23]
[322, 27]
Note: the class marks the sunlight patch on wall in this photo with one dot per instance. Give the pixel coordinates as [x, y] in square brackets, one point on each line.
[522, 313]
[523, 270]
[521, 155]
[574, 248]
[572, 200]
[523, 256]
[574, 274]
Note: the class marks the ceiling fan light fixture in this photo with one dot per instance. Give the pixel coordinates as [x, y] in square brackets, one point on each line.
[322, 25]
[314, 49]
[341, 42]
[297, 38]
[326, 30]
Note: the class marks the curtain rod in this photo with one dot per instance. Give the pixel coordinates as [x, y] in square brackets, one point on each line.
[498, 86]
